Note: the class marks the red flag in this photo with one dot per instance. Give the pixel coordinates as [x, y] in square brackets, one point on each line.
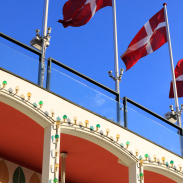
[150, 37]
[179, 80]
[78, 12]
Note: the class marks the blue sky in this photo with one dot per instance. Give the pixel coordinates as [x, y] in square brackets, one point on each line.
[89, 49]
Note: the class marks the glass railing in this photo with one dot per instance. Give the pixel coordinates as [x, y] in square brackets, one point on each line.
[84, 96]
[19, 63]
[154, 131]
[91, 99]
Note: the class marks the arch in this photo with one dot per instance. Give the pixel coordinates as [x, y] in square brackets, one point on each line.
[34, 179]
[4, 174]
[26, 108]
[163, 170]
[18, 176]
[124, 156]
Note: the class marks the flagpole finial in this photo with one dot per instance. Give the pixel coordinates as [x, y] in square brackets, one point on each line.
[164, 4]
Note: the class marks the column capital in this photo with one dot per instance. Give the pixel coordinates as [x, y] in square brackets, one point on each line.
[63, 154]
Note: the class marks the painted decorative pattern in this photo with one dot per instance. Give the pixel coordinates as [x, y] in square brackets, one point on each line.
[4, 174]
[34, 179]
[18, 176]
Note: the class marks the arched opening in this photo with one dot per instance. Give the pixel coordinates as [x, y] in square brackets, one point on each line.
[89, 157]
[161, 174]
[108, 145]
[152, 177]
[21, 138]
[89, 162]
[25, 108]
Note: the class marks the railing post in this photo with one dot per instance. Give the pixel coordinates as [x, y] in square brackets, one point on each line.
[41, 70]
[118, 109]
[181, 141]
[125, 112]
[48, 78]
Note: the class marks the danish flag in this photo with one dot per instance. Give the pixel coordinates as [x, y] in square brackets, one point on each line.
[179, 80]
[78, 12]
[150, 37]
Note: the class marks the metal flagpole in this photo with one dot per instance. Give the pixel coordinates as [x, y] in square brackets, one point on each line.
[173, 77]
[116, 67]
[172, 66]
[42, 69]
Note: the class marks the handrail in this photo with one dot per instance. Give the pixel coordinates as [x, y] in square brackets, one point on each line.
[150, 112]
[21, 44]
[51, 60]
[125, 99]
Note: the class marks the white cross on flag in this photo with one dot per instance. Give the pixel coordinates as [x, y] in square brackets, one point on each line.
[179, 80]
[150, 37]
[78, 12]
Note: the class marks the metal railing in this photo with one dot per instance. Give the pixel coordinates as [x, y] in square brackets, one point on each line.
[48, 83]
[35, 51]
[52, 60]
[39, 53]
[126, 100]
[117, 96]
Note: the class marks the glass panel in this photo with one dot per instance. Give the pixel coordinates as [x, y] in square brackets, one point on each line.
[84, 96]
[19, 63]
[153, 118]
[153, 131]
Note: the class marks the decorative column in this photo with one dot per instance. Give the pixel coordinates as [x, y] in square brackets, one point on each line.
[141, 173]
[57, 149]
[50, 168]
[63, 160]
[133, 173]
[47, 175]
[136, 172]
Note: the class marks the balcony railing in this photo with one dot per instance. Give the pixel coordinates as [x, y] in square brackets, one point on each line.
[156, 129]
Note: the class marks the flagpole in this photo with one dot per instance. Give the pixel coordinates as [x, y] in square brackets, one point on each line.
[116, 67]
[42, 68]
[172, 67]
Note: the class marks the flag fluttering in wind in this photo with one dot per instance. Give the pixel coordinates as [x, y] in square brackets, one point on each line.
[78, 12]
[179, 80]
[150, 37]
